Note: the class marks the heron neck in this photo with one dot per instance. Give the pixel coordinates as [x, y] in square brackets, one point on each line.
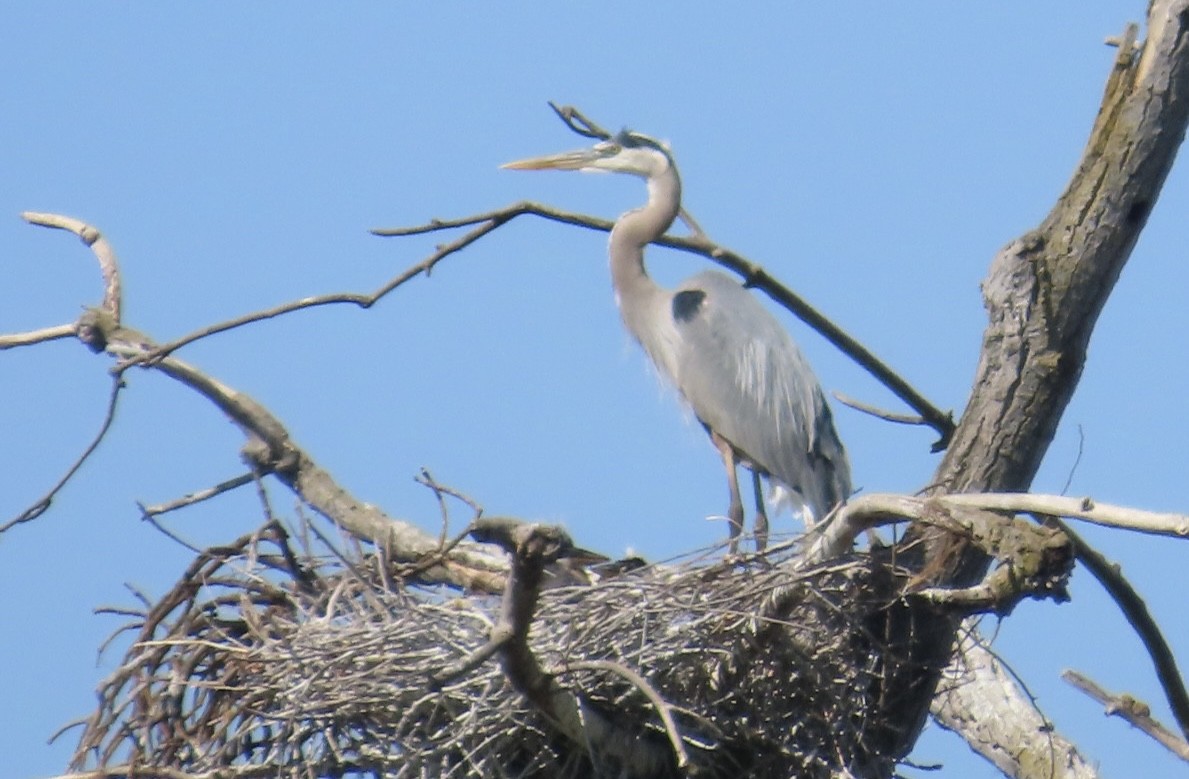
[635, 230]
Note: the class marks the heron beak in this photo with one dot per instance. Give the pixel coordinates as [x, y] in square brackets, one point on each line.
[570, 160]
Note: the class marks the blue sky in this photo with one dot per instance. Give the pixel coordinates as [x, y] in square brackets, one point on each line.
[873, 158]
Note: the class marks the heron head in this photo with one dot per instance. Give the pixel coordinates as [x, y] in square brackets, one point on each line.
[625, 152]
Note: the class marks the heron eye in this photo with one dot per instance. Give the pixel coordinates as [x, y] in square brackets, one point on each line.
[610, 149]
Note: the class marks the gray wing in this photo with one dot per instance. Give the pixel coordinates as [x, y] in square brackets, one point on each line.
[745, 379]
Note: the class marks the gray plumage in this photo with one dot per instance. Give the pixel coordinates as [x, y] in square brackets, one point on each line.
[728, 356]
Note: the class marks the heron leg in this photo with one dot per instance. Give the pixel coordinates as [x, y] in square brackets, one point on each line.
[735, 511]
[761, 513]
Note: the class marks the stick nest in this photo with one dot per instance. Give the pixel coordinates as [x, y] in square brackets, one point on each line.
[265, 660]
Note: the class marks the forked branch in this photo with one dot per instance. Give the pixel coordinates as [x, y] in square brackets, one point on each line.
[753, 274]
[269, 448]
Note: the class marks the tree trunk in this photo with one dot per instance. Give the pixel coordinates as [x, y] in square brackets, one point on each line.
[1043, 295]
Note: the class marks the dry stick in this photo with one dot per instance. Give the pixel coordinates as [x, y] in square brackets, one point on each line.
[835, 535]
[34, 337]
[755, 276]
[879, 413]
[40, 507]
[109, 266]
[198, 496]
[269, 444]
[1135, 712]
[361, 300]
[160, 528]
[1085, 509]
[1136, 612]
[533, 547]
[663, 709]
[441, 492]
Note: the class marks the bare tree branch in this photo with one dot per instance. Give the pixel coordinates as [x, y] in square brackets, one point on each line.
[34, 337]
[109, 266]
[878, 413]
[1036, 560]
[269, 448]
[43, 503]
[199, 496]
[1086, 509]
[753, 275]
[1134, 711]
[1136, 612]
[980, 701]
[836, 536]
[663, 709]
[534, 547]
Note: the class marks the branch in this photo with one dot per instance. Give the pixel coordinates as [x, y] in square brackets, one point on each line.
[85, 330]
[878, 413]
[109, 267]
[1122, 517]
[753, 275]
[533, 548]
[33, 337]
[1045, 289]
[1036, 560]
[1134, 711]
[1136, 612]
[578, 122]
[269, 448]
[198, 496]
[487, 223]
[663, 709]
[984, 704]
[43, 504]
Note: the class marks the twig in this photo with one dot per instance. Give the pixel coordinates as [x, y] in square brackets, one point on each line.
[1137, 713]
[40, 507]
[197, 497]
[471, 661]
[440, 492]
[172, 536]
[588, 128]
[1136, 612]
[1076, 460]
[361, 300]
[579, 122]
[663, 709]
[888, 416]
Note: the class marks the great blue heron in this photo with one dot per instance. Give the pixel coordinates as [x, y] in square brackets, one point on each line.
[730, 359]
